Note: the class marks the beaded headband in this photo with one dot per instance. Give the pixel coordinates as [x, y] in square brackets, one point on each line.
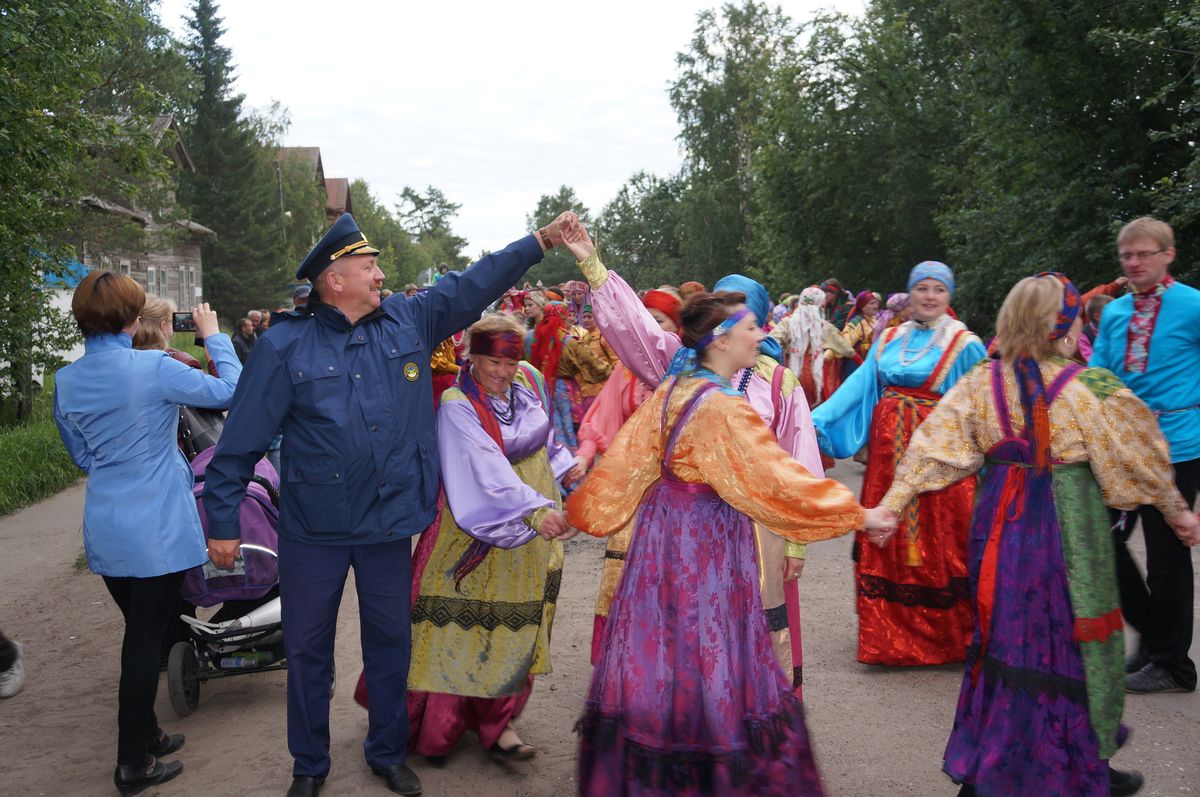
[1070, 306]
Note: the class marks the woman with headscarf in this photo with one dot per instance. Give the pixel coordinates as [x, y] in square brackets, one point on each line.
[494, 554]
[813, 346]
[561, 357]
[912, 595]
[860, 329]
[532, 304]
[895, 314]
[1053, 442]
[621, 396]
[590, 335]
[772, 390]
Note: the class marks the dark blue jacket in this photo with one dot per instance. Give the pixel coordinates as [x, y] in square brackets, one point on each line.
[360, 456]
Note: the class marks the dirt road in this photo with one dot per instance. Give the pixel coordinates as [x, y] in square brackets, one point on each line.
[877, 731]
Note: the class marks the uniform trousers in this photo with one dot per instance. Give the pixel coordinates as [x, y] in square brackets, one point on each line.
[311, 579]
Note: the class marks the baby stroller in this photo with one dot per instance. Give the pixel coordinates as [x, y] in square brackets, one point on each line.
[245, 635]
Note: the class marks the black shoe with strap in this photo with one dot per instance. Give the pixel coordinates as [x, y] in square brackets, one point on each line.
[400, 779]
[306, 786]
[136, 778]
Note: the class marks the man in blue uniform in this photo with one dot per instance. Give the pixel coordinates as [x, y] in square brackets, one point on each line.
[347, 379]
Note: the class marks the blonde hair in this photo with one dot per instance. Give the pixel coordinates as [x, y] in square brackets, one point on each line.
[1027, 318]
[493, 322]
[1147, 227]
[155, 312]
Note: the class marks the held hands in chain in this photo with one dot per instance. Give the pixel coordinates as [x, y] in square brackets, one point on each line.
[1187, 527]
[552, 234]
[554, 526]
[577, 240]
[880, 524]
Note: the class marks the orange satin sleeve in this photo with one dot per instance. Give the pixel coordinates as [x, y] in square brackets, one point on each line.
[609, 495]
[727, 446]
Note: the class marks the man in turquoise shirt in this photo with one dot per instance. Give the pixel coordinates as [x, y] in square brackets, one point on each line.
[1150, 338]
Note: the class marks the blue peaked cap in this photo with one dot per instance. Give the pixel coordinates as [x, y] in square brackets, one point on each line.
[342, 239]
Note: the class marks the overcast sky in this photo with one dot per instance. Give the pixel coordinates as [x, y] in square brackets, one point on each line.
[493, 103]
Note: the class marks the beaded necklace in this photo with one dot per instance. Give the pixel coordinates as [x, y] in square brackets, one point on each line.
[908, 357]
[504, 414]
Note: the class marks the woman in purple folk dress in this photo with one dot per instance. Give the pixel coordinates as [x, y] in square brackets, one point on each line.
[1040, 707]
[686, 697]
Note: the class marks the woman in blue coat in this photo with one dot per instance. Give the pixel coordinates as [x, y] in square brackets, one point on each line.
[117, 409]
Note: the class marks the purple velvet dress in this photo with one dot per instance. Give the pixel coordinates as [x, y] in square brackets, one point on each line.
[687, 698]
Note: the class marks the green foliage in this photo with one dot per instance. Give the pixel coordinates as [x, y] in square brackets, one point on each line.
[721, 93]
[81, 84]
[558, 265]
[399, 257]
[640, 231]
[427, 217]
[33, 462]
[236, 189]
[1001, 136]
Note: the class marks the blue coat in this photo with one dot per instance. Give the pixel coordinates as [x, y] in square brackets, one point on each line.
[117, 410]
[355, 402]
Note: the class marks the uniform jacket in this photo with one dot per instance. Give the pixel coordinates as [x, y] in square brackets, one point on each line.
[359, 463]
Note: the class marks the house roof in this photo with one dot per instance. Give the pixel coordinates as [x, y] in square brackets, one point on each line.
[337, 196]
[310, 154]
[179, 152]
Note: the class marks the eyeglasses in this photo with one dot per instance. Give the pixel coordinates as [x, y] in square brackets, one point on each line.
[1127, 257]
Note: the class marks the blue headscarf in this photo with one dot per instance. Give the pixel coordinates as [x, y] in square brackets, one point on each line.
[932, 270]
[759, 302]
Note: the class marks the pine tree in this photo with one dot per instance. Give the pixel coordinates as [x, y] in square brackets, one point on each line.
[234, 190]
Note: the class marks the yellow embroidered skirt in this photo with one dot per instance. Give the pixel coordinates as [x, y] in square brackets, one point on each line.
[486, 640]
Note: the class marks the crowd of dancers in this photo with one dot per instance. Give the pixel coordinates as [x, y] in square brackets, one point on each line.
[692, 429]
[992, 468]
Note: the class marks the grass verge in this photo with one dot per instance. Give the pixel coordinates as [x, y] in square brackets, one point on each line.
[33, 464]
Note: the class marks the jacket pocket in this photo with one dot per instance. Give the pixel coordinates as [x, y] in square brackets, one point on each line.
[319, 494]
[320, 386]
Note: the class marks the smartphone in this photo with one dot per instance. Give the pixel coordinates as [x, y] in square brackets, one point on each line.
[183, 322]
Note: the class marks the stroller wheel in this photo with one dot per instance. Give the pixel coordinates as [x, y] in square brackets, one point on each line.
[183, 681]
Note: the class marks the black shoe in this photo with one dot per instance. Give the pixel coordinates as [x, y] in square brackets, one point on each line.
[400, 779]
[134, 779]
[1153, 679]
[306, 786]
[1122, 784]
[165, 744]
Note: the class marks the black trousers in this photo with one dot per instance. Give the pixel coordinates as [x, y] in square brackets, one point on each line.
[1160, 608]
[148, 605]
[8, 653]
